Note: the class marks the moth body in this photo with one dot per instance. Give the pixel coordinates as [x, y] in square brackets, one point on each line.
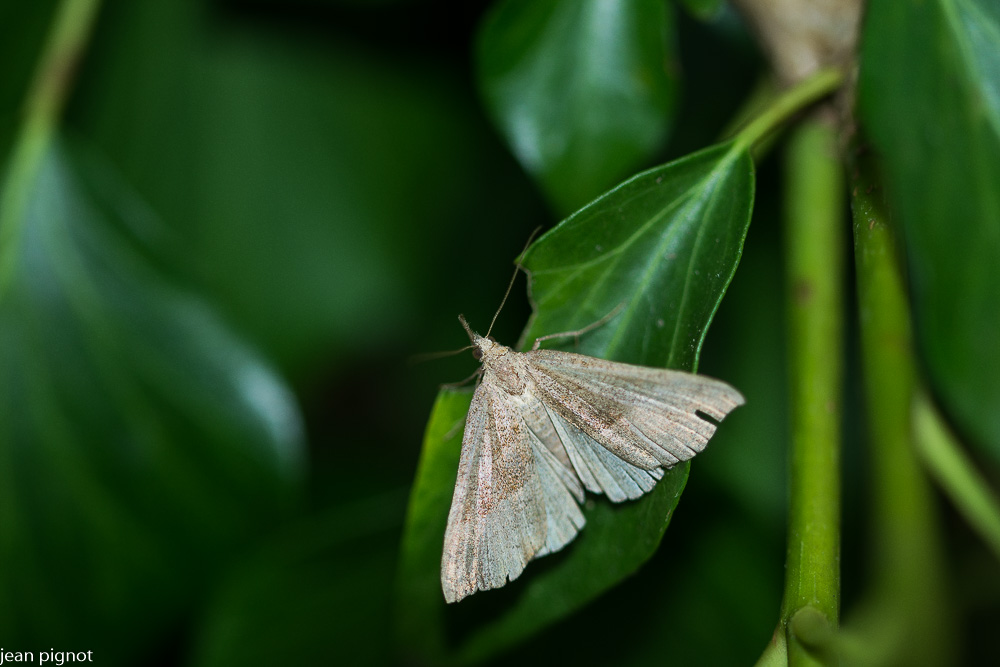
[501, 365]
[544, 426]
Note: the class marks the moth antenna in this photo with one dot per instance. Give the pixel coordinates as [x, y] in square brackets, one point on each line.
[468, 329]
[510, 285]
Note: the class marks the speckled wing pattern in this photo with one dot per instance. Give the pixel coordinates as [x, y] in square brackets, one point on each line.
[624, 421]
[513, 499]
[581, 422]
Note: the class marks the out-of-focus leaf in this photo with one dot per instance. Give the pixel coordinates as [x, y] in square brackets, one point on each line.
[141, 443]
[583, 90]
[311, 178]
[665, 244]
[748, 458]
[317, 594]
[704, 9]
[22, 33]
[929, 94]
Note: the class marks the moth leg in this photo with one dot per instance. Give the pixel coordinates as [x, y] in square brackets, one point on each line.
[453, 430]
[456, 385]
[579, 332]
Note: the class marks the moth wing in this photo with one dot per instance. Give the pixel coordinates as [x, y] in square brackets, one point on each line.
[561, 488]
[511, 500]
[595, 466]
[643, 418]
[599, 469]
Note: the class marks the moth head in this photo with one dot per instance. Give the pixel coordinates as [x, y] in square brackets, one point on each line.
[484, 347]
[481, 345]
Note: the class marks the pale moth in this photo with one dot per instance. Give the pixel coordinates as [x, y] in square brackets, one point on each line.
[543, 426]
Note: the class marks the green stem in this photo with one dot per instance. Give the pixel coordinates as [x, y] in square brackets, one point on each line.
[814, 234]
[43, 105]
[955, 474]
[903, 619]
[789, 103]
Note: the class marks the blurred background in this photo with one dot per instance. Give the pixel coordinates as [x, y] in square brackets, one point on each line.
[211, 423]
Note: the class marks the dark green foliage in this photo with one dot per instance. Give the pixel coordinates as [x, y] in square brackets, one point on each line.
[141, 442]
[217, 257]
[687, 206]
[583, 90]
[938, 128]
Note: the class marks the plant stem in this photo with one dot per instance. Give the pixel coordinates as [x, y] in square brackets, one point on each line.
[789, 103]
[814, 236]
[903, 620]
[49, 88]
[955, 474]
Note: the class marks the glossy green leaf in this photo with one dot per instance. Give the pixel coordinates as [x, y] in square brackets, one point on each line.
[141, 443]
[929, 95]
[663, 246]
[583, 90]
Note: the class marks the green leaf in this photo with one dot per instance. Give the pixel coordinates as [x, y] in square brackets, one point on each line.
[22, 34]
[665, 244]
[929, 95]
[662, 245]
[583, 90]
[420, 614]
[141, 443]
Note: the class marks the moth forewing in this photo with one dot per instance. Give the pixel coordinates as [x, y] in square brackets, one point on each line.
[498, 520]
[543, 425]
[460, 560]
[628, 408]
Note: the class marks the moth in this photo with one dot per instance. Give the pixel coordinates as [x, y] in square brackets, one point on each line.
[543, 427]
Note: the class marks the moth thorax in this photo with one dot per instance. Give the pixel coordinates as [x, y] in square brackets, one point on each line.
[504, 371]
